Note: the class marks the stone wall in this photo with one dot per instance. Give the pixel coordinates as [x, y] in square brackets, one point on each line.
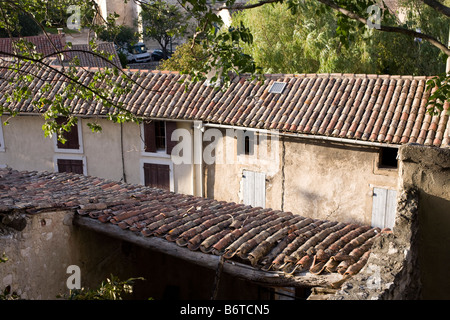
[39, 250]
[391, 272]
[413, 261]
[428, 169]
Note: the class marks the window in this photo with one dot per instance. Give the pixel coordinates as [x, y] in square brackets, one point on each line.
[73, 138]
[157, 136]
[70, 165]
[157, 175]
[388, 158]
[245, 142]
[254, 188]
[277, 87]
[384, 207]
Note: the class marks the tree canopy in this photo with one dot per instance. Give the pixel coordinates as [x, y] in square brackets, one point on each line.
[307, 42]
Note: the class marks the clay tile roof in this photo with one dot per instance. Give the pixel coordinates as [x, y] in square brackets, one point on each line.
[46, 44]
[89, 60]
[51, 43]
[390, 110]
[266, 239]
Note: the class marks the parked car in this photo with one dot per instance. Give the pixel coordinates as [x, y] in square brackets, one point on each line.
[136, 53]
[158, 55]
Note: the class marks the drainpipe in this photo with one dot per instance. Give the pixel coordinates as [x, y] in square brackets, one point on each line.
[198, 159]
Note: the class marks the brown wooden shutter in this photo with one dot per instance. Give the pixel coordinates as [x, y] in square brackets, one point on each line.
[170, 127]
[157, 175]
[149, 137]
[71, 136]
[163, 177]
[69, 165]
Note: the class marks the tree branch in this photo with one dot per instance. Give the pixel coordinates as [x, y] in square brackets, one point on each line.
[439, 7]
[243, 6]
[385, 28]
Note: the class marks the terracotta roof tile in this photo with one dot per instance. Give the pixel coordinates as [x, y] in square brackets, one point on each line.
[51, 43]
[44, 44]
[378, 108]
[265, 238]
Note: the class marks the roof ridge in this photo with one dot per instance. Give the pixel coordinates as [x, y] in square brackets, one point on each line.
[342, 75]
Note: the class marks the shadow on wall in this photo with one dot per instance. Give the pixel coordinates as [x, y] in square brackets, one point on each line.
[434, 246]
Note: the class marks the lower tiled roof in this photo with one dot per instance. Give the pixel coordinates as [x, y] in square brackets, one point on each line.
[265, 238]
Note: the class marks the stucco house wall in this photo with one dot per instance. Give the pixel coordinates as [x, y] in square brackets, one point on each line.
[322, 180]
[26, 148]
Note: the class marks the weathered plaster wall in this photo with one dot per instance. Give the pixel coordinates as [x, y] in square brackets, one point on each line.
[26, 144]
[319, 180]
[127, 11]
[332, 181]
[38, 255]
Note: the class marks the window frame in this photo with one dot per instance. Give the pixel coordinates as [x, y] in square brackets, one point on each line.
[80, 142]
[69, 157]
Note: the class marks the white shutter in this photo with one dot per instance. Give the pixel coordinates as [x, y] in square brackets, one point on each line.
[248, 187]
[254, 188]
[384, 207]
[260, 189]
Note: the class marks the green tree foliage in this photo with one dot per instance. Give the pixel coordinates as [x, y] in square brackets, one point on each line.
[187, 56]
[111, 289]
[308, 42]
[163, 22]
[119, 34]
[26, 27]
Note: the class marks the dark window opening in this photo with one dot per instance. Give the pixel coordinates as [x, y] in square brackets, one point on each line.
[69, 165]
[157, 176]
[71, 136]
[157, 136]
[388, 158]
[247, 146]
[160, 135]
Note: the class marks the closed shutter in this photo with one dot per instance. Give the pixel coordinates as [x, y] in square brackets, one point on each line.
[69, 165]
[71, 136]
[384, 207]
[170, 128]
[254, 188]
[157, 176]
[149, 137]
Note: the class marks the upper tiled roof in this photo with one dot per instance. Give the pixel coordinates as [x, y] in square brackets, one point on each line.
[51, 43]
[265, 238]
[384, 109]
[46, 44]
